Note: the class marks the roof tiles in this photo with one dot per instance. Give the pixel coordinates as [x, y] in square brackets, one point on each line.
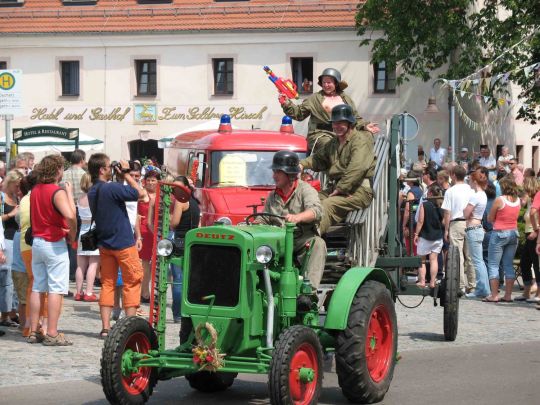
[110, 16]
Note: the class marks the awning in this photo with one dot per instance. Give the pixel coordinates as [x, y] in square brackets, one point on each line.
[53, 144]
[203, 126]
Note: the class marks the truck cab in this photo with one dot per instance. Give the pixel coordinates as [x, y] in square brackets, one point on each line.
[230, 168]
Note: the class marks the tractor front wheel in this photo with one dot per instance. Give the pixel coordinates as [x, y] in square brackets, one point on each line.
[366, 349]
[128, 386]
[296, 368]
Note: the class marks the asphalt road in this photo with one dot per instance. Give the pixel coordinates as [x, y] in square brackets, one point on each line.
[494, 360]
[480, 374]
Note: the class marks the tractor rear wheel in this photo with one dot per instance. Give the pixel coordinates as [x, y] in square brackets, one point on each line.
[366, 348]
[296, 368]
[451, 299]
[135, 334]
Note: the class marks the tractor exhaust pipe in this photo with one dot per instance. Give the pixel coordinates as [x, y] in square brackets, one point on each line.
[270, 317]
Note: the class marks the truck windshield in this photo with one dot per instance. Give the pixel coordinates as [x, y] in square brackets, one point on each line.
[242, 168]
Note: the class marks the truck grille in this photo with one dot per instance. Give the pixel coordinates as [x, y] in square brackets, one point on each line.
[214, 270]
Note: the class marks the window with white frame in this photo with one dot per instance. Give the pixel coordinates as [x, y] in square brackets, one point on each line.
[384, 79]
[223, 69]
[146, 76]
[69, 73]
[302, 74]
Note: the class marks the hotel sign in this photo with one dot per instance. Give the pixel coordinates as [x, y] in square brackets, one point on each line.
[20, 134]
[148, 113]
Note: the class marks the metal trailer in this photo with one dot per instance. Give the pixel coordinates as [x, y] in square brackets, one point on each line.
[247, 307]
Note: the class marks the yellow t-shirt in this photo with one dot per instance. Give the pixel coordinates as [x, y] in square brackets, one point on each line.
[24, 215]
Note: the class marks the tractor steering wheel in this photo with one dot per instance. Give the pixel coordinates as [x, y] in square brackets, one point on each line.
[261, 214]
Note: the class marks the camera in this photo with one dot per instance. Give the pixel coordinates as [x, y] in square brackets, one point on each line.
[115, 164]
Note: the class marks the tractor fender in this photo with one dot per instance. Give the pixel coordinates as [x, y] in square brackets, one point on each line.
[340, 303]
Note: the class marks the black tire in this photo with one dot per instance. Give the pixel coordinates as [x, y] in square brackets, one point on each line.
[204, 381]
[451, 299]
[371, 308]
[296, 345]
[133, 333]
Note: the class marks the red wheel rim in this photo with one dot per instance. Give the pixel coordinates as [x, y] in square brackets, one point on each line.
[136, 382]
[305, 357]
[379, 343]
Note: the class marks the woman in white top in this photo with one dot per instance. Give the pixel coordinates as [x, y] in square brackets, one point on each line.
[87, 261]
[474, 232]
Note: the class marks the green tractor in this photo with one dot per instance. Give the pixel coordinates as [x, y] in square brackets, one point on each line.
[247, 307]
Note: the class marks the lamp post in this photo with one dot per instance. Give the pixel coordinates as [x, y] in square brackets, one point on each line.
[432, 108]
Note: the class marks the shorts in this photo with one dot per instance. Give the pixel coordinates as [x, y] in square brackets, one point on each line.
[20, 282]
[425, 247]
[50, 265]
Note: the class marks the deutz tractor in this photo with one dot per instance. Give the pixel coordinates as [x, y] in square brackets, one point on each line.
[248, 307]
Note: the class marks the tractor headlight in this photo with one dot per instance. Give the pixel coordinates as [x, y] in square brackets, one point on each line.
[164, 247]
[264, 254]
[224, 220]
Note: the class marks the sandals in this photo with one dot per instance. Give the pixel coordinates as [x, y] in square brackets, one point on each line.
[58, 340]
[104, 333]
[522, 298]
[35, 337]
[505, 300]
[487, 299]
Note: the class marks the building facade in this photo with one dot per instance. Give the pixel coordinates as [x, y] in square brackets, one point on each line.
[132, 72]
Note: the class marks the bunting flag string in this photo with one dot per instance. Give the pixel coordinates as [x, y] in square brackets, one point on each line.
[475, 126]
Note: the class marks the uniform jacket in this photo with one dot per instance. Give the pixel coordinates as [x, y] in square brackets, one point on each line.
[303, 197]
[348, 165]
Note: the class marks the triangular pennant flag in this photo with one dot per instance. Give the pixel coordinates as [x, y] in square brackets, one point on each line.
[493, 81]
[453, 83]
[505, 77]
[475, 82]
[486, 99]
[528, 70]
[501, 101]
[462, 93]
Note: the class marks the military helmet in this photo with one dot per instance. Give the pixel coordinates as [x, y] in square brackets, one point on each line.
[286, 161]
[343, 112]
[334, 73]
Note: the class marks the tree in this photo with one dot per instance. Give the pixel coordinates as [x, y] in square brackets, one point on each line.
[464, 35]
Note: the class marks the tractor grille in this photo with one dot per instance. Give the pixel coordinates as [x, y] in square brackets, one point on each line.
[214, 270]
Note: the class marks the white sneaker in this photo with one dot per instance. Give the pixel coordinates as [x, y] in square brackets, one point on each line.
[533, 300]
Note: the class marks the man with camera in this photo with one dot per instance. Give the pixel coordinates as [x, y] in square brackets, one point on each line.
[115, 237]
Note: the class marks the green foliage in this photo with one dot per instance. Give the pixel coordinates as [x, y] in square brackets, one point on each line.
[461, 35]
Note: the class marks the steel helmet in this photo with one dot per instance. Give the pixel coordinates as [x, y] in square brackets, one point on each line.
[286, 161]
[343, 112]
[334, 73]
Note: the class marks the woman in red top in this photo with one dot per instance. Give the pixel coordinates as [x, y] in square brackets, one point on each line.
[52, 215]
[150, 182]
[504, 239]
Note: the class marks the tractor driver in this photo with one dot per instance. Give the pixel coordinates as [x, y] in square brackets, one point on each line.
[299, 203]
[350, 161]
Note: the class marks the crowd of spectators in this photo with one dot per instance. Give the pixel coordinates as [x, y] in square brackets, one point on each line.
[45, 209]
[474, 202]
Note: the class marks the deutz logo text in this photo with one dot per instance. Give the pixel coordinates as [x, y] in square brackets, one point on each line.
[214, 236]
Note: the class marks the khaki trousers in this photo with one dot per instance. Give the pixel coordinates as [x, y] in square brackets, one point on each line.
[456, 237]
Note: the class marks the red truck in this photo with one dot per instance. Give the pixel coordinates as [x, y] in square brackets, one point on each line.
[232, 167]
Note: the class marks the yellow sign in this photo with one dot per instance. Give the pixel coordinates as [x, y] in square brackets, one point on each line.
[232, 170]
[7, 81]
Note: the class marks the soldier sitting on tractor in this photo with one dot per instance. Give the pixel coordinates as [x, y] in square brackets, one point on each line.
[298, 202]
[350, 161]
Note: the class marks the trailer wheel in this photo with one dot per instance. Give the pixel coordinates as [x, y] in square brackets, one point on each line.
[296, 368]
[131, 333]
[366, 348]
[451, 300]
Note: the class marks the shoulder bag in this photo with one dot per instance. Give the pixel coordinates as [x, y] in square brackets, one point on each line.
[89, 240]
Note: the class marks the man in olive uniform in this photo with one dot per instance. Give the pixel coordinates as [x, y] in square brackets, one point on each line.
[318, 107]
[299, 203]
[349, 160]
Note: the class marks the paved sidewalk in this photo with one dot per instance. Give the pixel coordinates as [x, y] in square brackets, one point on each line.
[420, 328]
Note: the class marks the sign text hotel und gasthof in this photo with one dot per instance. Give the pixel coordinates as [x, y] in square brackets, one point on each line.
[147, 113]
